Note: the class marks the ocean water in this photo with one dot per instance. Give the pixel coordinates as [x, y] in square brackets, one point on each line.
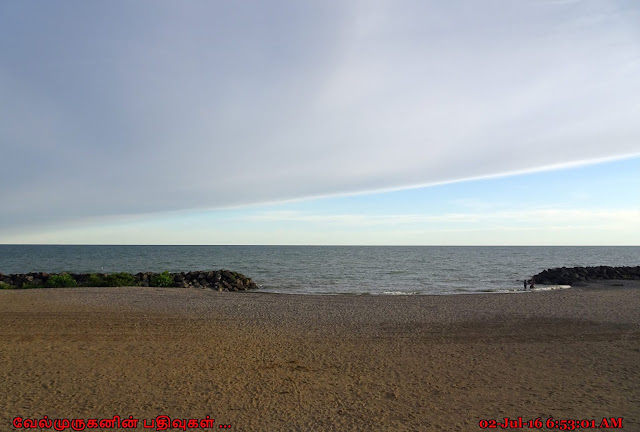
[386, 270]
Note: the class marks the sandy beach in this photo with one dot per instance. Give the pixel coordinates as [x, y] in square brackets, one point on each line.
[262, 362]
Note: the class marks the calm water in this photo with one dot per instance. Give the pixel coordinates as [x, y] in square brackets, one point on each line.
[328, 269]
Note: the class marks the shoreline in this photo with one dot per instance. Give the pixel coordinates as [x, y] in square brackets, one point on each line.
[540, 288]
[225, 280]
[320, 362]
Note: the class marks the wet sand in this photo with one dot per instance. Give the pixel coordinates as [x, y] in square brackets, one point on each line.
[263, 362]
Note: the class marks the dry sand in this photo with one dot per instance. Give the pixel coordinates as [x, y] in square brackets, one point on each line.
[263, 362]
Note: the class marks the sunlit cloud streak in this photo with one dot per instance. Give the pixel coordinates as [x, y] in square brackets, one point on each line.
[578, 217]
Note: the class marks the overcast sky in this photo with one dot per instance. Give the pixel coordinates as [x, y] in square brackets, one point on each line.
[153, 121]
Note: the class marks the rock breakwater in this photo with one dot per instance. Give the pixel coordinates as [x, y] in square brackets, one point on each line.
[220, 280]
[573, 275]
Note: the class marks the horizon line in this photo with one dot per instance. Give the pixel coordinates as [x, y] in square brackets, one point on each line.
[319, 245]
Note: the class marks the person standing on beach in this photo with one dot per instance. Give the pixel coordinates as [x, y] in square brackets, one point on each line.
[533, 284]
[525, 284]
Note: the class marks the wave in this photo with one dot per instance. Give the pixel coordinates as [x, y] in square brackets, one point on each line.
[550, 287]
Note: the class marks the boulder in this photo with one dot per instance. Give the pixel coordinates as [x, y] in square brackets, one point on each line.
[221, 280]
[569, 276]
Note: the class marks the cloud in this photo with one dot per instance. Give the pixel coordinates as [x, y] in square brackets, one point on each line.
[532, 227]
[526, 219]
[125, 108]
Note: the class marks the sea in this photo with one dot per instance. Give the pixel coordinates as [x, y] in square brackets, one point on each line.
[331, 270]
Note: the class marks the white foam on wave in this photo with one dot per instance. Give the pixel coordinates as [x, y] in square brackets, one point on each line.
[397, 293]
[457, 291]
[550, 287]
[507, 290]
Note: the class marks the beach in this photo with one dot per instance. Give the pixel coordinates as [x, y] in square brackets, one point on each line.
[262, 362]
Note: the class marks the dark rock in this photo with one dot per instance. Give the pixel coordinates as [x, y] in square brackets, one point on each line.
[569, 276]
[221, 280]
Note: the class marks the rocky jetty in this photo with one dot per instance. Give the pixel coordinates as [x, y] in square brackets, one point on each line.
[220, 280]
[573, 275]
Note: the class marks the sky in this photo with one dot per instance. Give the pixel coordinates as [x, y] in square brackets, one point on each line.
[320, 122]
